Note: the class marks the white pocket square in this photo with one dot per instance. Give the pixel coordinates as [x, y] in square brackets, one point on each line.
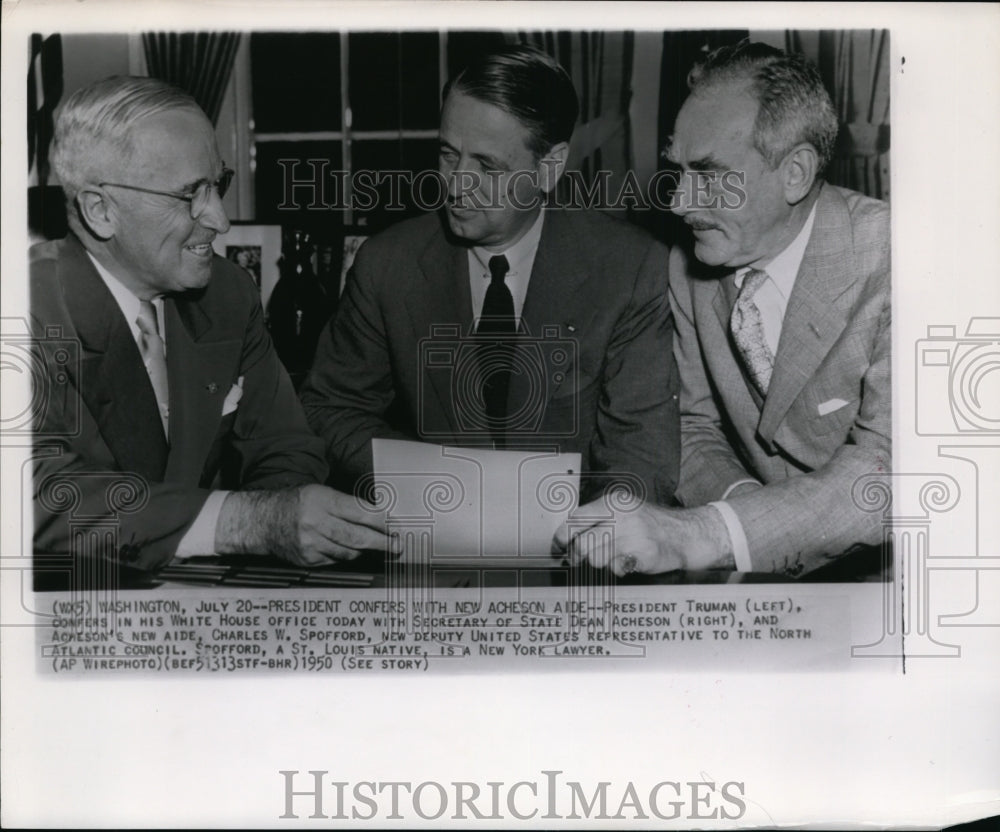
[831, 406]
[233, 397]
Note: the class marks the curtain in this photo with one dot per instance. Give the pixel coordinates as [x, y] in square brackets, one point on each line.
[600, 66]
[46, 204]
[199, 63]
[681, 51]
[45, 88]
[854, 65]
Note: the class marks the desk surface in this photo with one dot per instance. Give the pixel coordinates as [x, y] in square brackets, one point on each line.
[375, 573]
[372, 571]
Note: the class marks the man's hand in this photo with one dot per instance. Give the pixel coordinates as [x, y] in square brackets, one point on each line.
[645, 538]
[336, 525]
[308, 526]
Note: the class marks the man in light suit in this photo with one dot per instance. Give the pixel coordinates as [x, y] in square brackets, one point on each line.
[783, 338]
[417, 349]
[169, 369]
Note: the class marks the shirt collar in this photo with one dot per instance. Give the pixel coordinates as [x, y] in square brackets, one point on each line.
[784, 268]
[127, 302]
[517, 255]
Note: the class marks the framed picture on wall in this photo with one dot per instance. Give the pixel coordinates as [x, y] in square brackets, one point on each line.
[255, 248]
[353, 238]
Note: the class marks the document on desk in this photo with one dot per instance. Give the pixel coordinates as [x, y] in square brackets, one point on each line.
[470, 502]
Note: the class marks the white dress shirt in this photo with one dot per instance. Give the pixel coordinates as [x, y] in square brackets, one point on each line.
[520, 258]
[200, 537]
[772, 296]
[772, 301]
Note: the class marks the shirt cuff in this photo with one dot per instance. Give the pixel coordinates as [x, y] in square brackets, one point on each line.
[737, 537]
[200, 538]
[736, 485]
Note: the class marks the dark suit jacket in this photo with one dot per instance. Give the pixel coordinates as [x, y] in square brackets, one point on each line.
[827, 421]
[100, 448]
[598, 288]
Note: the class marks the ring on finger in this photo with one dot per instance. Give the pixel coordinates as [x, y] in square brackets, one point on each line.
[629, 564]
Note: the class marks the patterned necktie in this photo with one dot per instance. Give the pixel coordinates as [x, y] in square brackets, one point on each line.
[748, 332]
[497, 320]
[154, 356]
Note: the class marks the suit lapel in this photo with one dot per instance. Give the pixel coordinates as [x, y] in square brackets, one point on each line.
[554, 306]
[817, 308]
[559, 271]
[113, 381]
[200, 362]
[441, 303]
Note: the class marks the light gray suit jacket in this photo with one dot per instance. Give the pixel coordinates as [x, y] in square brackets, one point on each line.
[806, 450]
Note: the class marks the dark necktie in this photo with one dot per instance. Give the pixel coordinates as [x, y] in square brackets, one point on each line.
[748, 332]
[497, 321]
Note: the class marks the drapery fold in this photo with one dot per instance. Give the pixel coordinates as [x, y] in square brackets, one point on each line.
[600, 66]
[854, 64]
[198, 62]
[46, 202]
[45, 88]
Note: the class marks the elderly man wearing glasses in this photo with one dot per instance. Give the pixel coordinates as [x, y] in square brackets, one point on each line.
[158, 373]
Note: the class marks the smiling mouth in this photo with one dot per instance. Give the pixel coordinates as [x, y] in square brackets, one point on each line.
[201, 250]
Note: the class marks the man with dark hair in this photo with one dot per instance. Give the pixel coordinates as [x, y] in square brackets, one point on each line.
[499, 322]
[157, 362]
[783, 339]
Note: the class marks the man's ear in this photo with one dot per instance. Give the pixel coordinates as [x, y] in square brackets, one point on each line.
[799, 169]
[551, 166]
[96, 212]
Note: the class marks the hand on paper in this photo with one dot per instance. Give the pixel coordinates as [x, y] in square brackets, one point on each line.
[644, 538]
[336, 525]
[308, 526]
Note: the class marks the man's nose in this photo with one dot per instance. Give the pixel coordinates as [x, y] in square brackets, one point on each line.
[680, 201]
[462, 182]
[214, 215]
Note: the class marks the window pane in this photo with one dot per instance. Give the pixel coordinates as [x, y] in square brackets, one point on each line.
[394, 80]
[295, 79]
[464, 46]
[297, 182]
[384, 173]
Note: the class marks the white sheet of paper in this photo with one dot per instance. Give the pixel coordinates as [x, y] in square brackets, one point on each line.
[471, 502]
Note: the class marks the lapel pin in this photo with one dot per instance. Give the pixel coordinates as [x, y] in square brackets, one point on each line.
[570, 327]
[212, 387]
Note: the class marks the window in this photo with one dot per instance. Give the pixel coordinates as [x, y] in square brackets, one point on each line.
[328, 106]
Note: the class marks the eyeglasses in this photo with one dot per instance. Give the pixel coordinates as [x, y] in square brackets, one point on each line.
[197, 199]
